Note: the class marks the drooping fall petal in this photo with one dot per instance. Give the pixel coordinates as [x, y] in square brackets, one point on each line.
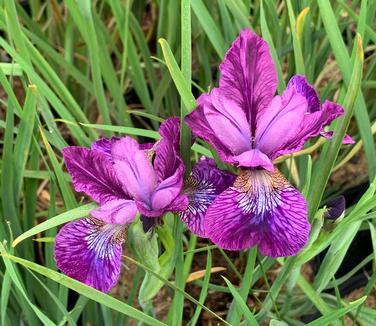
[89, 251]
[261, 209]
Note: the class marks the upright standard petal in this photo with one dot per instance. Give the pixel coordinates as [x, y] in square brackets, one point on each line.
[170, 130]
[281, 122]
[166, 159]
[203, 185]
[248, 75]
[312, 126]
[93, 174]
[134, 169]
[89, 251]
[221, 122]
[261, 209]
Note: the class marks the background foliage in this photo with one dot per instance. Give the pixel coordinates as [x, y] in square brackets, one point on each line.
[72, 71]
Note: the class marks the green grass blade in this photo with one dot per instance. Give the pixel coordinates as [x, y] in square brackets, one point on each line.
[210, 27]
[65, 217]
[23, 140]
[343, 60]
[204, 289]
[15, 279]
[235, 314]
[178, 77]
[334, 315]
[85, 290]
[249, 317]
[330, 152]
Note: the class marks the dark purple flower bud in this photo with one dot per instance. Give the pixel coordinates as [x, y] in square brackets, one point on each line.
[335, 208]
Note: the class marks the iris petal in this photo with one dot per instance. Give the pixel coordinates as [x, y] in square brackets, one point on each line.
[248, 75]
[262, 209]
[89, 251]
[119, 211]
[203, 185]
[305, 89]
[221, 122]
[134, 169]
[93, 174]
[104, 145]
[170, 130]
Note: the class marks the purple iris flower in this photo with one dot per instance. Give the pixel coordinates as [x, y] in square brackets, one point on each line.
[124, 178]
[250, 127]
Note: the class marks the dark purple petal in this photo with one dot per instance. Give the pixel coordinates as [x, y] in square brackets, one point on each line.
[146, 146]
[89, 251]
[104, 145]
[118, 211]
[170, 130]
[248, 75]
[262, 209]
[146, 210]
[347, 140]
[305, 89]
[166, 197]
[93, 174]
[180, 203]
[203, 185]
[134, 169]
[222, 123]
[166, 159]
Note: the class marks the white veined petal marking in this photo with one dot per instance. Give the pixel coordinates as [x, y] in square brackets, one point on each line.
[103, 237]
[260, 191]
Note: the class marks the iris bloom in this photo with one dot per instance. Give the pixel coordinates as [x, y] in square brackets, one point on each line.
[250, 127]
[124, 178]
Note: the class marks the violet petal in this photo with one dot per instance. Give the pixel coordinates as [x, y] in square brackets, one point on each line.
[347, 139]
[262, 209]
[118, 211]
[104, 145]
[170, 130]
[305, 89]
[281, 123]
[166, 192]
[90, 251]
[203, 185]
[93, 174]
[222, 123]
[248, 75]
[134, 169]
